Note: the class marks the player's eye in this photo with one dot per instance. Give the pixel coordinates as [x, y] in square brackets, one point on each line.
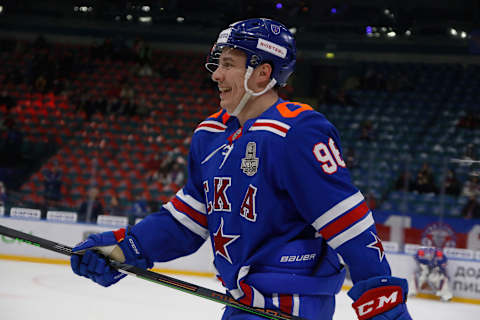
[227, 65]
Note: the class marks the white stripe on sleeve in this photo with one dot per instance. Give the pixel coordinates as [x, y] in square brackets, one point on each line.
[352, 232]
[191, 201]
[186, 221]
[337, 210]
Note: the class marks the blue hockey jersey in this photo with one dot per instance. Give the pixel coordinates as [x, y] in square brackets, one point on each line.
[275, 199]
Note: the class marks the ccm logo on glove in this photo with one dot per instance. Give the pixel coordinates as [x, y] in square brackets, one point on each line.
[378, 300]
[134, 247]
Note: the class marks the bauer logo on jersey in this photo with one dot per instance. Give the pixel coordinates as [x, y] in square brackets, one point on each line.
[250, 162]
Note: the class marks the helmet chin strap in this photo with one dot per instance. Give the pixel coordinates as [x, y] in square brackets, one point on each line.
[249, 93]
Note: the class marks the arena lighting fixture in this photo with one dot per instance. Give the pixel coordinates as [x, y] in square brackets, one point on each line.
[391, 34]
[463, 34]
[129, 17]
[180, 19]
[279, 5]
[146, 8]
[453, 32]
[408, 33]
[1, 9]
[145, 19]
[293, 30]
[333, 10]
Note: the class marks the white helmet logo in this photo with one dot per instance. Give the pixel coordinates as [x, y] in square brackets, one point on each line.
[275, 29]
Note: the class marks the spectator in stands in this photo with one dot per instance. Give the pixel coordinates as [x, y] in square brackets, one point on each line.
[366, 131]
[371, 200]
[404, 181]
[143, 109]
[425, 182]
[471, 208]
[175, 175]
[344, 98]
[40, 85]
[139, 209]
[471, 188]
[470, 152]
[12, 152]
[40, 42]
[350, 158]
[52, 185]
[452, 185]
[91, 208]
[114, 208]
[127, 92]
[7, 100]
[3, 194]
[153, 167]
[470, 121]
[325, 95]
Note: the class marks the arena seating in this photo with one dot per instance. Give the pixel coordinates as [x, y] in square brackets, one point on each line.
[410, 125]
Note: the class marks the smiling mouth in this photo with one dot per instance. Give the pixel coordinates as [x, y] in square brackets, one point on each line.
[224, 90]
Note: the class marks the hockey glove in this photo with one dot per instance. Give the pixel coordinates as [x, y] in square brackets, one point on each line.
[112, 244]
[380, 298]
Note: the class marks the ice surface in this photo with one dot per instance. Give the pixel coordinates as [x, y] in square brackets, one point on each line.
[53, 292]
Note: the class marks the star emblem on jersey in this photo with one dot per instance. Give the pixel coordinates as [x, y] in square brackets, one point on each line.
[377, 245]
[250, 162]
[221, 241]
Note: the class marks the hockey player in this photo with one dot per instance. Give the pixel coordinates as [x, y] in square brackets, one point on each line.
[267, 185]
[432, 264]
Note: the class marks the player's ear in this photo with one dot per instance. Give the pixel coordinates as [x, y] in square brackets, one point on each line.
[266, 71]
[263, 72]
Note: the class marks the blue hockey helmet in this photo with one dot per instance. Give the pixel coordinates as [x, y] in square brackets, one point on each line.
[263, 41]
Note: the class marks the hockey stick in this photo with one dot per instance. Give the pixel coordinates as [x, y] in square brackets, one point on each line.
[153, 277]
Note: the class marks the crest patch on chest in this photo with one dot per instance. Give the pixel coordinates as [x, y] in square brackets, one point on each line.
[250, 162]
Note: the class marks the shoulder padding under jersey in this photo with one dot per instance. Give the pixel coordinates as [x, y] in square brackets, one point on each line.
[299, 117]
[214, 123]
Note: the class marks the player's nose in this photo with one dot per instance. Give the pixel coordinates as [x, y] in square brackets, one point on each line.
[217, 75]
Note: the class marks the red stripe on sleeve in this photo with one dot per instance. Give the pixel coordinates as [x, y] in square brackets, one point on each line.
[345, 221]
[272, 125]
[285, 302]
[192, 213]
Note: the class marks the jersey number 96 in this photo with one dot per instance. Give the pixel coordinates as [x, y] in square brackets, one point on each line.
[329, 156]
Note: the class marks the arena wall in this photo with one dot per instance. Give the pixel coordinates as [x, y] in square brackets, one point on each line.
[463, 266]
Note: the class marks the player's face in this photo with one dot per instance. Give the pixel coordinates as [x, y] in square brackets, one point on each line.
[229, 77]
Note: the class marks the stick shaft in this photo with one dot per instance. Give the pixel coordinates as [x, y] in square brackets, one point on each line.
[152, 276]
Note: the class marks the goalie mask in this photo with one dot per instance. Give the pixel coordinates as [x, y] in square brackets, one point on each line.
[263, 41]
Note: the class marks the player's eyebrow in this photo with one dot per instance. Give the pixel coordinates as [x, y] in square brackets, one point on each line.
[226, 59]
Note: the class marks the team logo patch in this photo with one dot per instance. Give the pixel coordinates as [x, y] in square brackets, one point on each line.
[440, 235]
[377, 245]
[250, 162]
[275, 29]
